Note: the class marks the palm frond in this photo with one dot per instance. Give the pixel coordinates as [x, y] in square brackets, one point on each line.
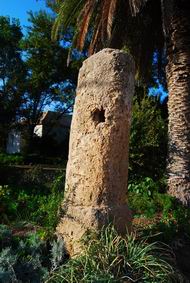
[111, 14]
[136, 6]
[67, 11]
[107, 18]
[83, 24]
[135, 24]
[96, 36]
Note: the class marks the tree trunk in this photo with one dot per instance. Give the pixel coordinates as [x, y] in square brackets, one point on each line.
[176, 17]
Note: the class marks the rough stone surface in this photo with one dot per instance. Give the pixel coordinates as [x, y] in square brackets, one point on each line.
[96, 178]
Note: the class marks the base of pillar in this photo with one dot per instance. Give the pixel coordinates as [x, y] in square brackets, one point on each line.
[78, 220]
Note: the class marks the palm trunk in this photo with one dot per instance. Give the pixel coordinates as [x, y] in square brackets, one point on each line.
[176, 16]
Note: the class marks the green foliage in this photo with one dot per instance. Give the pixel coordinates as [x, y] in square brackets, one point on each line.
[33, 176]
[148, 138]
[47, 211]
[109, 257]
[57, 254]
[33, 74]
[172, 225]
[49, 79]
[67, 14]
[58, 184]
[27, 258]
[21, 259]
[36, 205]
[148, 199]
[12, 74]
[145, 197]
[11, 159]
[7, 261]
[146, 187]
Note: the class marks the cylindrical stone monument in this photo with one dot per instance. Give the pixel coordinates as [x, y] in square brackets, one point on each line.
[97, 169]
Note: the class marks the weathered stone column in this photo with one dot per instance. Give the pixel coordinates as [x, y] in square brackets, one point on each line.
[96, 178]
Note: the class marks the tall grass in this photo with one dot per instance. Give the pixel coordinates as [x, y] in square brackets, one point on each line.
[108, 257]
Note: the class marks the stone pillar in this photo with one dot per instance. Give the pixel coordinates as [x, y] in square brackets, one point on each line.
[96, 177]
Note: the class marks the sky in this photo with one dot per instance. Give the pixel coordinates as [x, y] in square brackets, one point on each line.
[18, 8]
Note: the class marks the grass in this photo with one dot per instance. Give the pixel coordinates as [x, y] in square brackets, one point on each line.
[109, 257]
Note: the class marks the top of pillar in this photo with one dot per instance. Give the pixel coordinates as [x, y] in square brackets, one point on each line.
[109, 53]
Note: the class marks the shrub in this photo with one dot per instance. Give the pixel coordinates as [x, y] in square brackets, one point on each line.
[145, 197]
[28, 258]
[21, 260]
[36, 204]
[11, 159]
[58, 184]
[112, 258]
[47, 210]
[148, 138]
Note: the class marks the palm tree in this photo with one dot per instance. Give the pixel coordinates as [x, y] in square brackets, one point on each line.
[176, 20]
[143, 26]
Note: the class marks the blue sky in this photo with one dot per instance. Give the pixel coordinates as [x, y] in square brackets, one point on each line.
[18, 8]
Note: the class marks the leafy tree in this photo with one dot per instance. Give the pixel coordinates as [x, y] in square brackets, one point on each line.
[48, 78]
[12, 73]
[112, 24]
[148, 138]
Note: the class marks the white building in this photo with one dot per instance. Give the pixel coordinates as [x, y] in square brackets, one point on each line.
[14, 142]
[54, 124]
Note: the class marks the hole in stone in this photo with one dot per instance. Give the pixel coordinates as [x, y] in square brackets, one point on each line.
[99, 116]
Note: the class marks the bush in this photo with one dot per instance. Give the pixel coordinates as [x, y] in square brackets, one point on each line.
[37, 205]
[148, 139]
[146, 197]
[27, 259]
[20, 260]
[109, 257]
[46, 213]
[11, 159]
